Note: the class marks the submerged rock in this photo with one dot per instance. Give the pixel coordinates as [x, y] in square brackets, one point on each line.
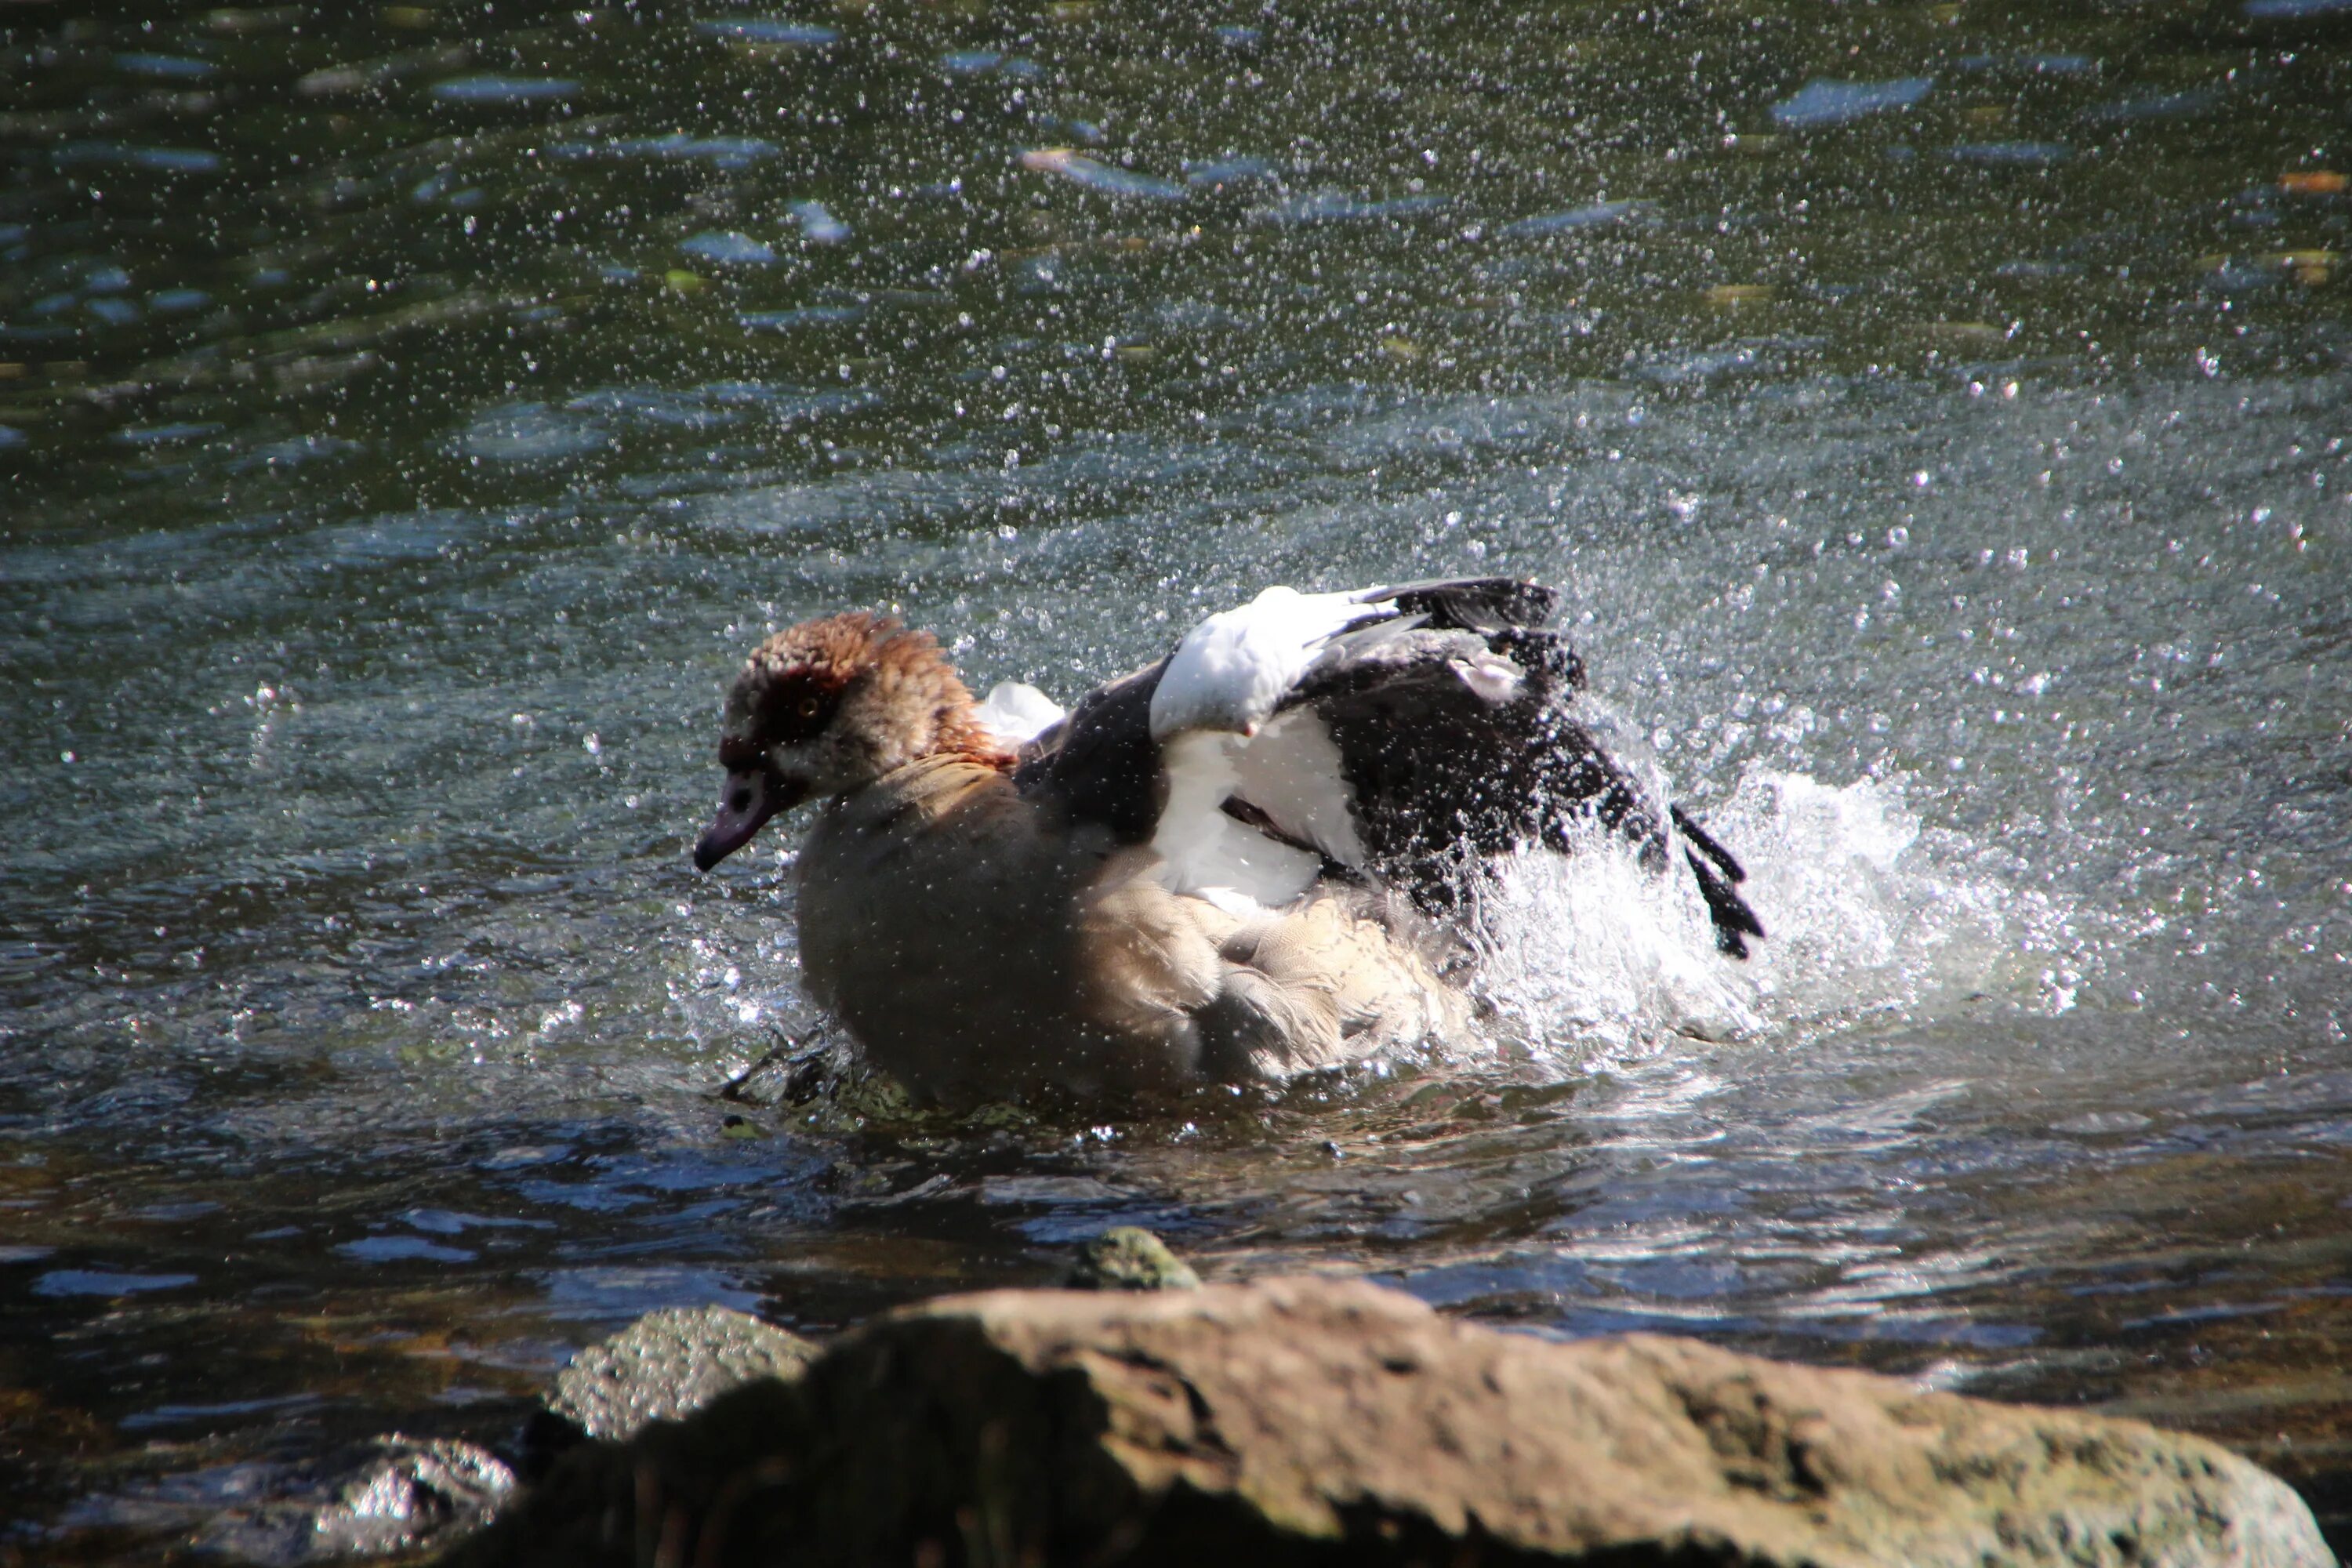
[668, 1365]
[1129, 1258]
[408, 1490]
[1308, 1420]
[393, 1495]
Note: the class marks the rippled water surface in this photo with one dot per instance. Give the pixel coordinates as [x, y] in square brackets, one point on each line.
[409, 415]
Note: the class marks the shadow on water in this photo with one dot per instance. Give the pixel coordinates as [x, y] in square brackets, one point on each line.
[1935, 413]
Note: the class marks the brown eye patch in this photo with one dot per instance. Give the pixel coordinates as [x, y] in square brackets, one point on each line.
[796, 706]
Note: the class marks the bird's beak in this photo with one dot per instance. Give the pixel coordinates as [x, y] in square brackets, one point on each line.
[753, 795]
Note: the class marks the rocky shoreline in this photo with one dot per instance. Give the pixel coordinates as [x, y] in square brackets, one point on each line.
[1320, 1420]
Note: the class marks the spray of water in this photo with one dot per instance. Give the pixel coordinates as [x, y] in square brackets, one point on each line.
[1590, 956]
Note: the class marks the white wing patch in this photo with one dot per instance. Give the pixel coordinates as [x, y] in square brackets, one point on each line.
[1231, 670]
[1205, 852]
[1291, 773]
[1017, 713]
[1214, 716]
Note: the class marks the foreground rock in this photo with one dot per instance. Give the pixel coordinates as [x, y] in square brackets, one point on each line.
[1313, 1421]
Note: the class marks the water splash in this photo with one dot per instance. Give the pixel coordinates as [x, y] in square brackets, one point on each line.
[1590, 955]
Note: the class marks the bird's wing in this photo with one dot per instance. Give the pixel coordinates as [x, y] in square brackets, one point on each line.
[1100, 764]
[1233, 670]
[1381, 735]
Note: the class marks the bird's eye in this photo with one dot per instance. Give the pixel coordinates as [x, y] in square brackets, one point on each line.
[809, 706]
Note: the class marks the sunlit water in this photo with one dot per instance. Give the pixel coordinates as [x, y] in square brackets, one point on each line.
[406, 427]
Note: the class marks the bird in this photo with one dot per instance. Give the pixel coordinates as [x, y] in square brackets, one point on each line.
[1244, 861]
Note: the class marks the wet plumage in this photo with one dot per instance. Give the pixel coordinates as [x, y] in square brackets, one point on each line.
[1242, 861]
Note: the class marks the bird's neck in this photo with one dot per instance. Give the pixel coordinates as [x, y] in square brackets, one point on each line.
[961, 734]
[935, 706]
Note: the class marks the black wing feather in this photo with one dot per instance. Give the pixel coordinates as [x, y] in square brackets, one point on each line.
[1437, 770]
[1707, 843]
[1472, 603]
[1100, 763]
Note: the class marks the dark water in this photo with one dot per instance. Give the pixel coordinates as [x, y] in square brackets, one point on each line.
[409, 415]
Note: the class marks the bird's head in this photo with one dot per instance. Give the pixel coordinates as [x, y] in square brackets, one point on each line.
[825, 708]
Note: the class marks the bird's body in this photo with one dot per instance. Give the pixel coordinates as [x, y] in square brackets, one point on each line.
[1243, 861]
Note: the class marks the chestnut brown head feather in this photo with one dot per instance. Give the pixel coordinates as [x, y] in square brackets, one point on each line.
[829, 706]
[856, 683]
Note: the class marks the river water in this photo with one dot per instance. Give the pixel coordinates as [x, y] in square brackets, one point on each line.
[409, 415]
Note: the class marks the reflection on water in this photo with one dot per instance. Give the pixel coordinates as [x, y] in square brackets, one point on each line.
[1934, 415]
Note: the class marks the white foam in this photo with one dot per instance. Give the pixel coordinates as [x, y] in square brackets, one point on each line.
[1591, 956]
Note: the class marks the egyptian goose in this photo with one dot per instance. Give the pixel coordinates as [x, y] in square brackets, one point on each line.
[1243, 861]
